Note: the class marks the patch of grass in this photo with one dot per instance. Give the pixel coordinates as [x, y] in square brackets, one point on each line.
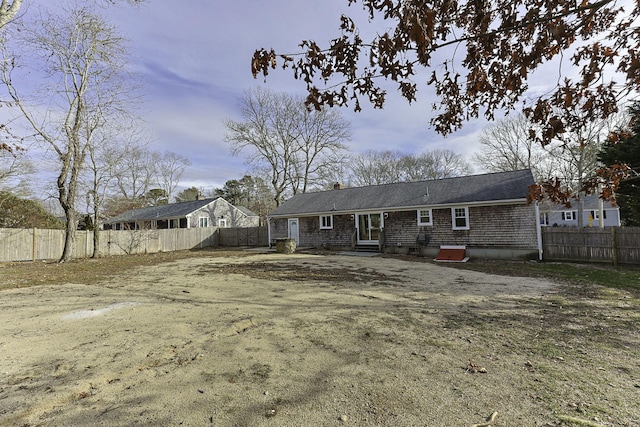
[622, 277]
[86, 270]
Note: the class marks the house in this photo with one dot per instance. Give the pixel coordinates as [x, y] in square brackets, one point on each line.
[214, 212]
[591, 207]
[486, 214]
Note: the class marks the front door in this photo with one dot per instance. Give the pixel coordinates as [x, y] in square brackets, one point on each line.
[294, 232]
[369, 226]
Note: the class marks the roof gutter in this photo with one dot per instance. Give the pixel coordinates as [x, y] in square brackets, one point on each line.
[403, 208]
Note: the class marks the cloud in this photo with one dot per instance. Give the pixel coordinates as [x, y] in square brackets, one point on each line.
[194, 59]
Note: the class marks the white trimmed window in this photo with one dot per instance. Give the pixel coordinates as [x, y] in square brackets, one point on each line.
[326, 222]
[568, 215]
[596, 215]
[544, 218]
[222, 222]
[460, 218]
[424, 217]
[203, 221]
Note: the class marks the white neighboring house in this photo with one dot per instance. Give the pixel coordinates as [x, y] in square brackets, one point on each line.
[553, 215]
[215, 212]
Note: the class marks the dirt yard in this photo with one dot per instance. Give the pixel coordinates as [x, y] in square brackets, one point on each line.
[250, 339]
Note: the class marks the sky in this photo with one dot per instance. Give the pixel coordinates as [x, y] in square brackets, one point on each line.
[195, 61]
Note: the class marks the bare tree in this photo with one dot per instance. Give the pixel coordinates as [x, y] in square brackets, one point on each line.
[385, 167]
[134, 171]
[15, 171]
[506, 147]
[576, 150]
[434, 164]
[375, 167]
[104, 156]
[98, 182]
[571, 158]
[83, 58]
[297, 146]
[169, 169]
[8, 11]
[138, 170]
[319, 136]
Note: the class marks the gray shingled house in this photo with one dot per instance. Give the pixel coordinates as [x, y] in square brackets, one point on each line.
[591, 207]
[486, 214]
[213, 212]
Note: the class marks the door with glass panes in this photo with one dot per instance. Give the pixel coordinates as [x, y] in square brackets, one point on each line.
[369, 226]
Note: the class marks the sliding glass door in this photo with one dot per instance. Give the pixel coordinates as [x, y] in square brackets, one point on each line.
[369, 226]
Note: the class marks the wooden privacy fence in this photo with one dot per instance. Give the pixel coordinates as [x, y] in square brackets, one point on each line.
[249, 236]
[616, 245]
[40, 244]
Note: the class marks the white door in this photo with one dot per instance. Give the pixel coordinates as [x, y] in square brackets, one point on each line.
[293, 230]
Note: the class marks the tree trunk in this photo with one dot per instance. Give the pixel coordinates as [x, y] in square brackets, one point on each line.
[96, 238]
[69, 235]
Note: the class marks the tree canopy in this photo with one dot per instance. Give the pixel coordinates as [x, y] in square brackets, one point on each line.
[188, 195]
[296, 148]
[385, 167]
[478, 56]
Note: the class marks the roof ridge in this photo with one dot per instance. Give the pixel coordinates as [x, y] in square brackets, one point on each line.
[424, 180]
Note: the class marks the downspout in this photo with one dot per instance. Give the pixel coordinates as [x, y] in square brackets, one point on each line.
[538, 231]
[269, 230]
[600, 208]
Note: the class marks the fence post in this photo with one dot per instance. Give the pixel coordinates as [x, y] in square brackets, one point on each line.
[614, 247]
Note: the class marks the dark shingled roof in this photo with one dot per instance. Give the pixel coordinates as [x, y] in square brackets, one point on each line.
[173, 210]
[492, 187]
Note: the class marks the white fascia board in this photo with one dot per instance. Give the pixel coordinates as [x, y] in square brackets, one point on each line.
[404, 208]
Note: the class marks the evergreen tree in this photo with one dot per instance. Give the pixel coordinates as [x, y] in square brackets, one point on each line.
[187, 195]
[627, 151]
[21, 213]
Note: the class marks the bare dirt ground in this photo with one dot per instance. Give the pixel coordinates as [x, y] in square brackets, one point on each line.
[317, 340]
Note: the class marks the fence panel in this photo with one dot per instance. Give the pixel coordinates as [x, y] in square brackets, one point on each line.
[40, 244]
[249, 236]
[17, 244]
[628, 244]
[30, 244]
[611, 244]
